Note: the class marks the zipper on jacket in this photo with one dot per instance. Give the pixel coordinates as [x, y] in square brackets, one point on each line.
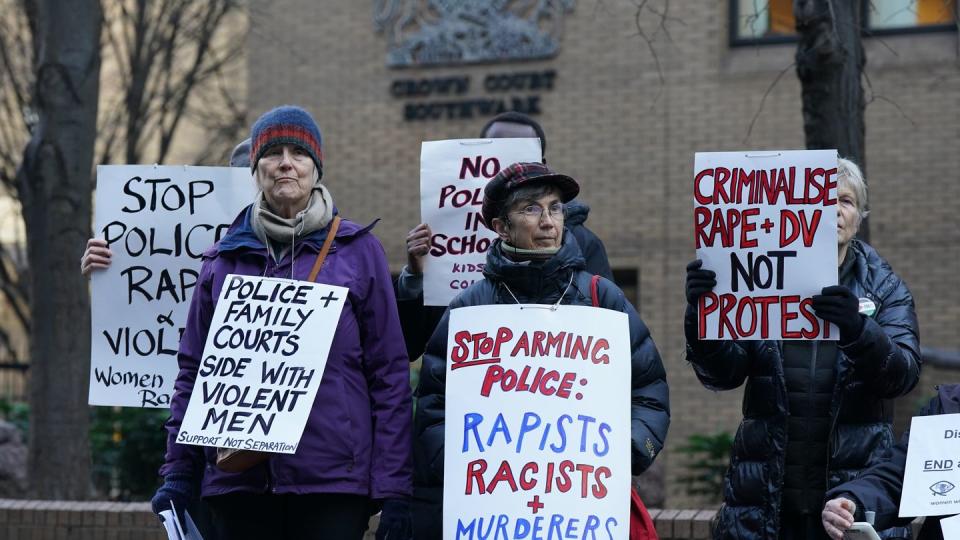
[811, 399]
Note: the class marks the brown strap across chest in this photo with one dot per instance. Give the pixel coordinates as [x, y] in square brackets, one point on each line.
[334, 225]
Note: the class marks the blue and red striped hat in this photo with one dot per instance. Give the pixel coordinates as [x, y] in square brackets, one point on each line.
[286, 124]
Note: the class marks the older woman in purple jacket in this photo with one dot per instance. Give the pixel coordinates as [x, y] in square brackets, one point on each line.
[355, 449]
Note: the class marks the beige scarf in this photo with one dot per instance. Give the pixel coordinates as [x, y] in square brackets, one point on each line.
[284, 232]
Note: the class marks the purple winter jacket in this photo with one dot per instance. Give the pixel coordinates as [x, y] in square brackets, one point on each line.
[358, 437]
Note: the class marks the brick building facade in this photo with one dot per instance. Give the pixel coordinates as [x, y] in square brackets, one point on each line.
[630, 137]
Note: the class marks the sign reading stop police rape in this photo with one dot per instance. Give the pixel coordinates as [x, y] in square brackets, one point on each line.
[157, 221]
[262, 363]
[537, 441]
[453, 174]
[766, 223]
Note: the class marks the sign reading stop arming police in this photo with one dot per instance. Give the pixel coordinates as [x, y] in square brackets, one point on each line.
[453, 174]
[157, 221]
[766, 223]
[538, 437]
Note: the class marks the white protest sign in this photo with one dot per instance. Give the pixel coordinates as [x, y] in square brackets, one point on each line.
[766, 223]
[157, 220]
[453, 174]
[537, 429]
[932, 472]
[262, 363]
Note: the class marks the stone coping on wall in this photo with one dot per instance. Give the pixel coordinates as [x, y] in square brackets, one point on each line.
[22, 519]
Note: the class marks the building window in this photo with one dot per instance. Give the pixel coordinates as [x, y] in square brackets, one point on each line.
[910, 15]
[754, 22]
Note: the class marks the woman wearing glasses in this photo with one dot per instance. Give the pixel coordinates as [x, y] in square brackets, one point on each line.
[535, 261]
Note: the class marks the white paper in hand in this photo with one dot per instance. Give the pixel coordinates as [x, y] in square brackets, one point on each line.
[169, 520]
[950, 527]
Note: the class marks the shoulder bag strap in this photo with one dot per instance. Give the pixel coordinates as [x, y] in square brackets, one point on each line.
[334, 225]
[595, 290]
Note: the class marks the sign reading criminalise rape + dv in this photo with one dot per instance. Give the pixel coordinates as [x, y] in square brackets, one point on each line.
[157, 221]
[453, 174]
[537, 441]
[265, 354]
[766, 223]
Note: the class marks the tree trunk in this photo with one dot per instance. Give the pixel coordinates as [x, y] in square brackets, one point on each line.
[54, 185]
[830, 61]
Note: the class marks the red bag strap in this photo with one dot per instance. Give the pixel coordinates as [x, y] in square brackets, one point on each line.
[641, 525]
[595, 290]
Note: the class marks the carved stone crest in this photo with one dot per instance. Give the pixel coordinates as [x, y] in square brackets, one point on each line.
[445, 32]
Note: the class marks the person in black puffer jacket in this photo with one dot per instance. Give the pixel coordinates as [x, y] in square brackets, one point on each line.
[879, 488]
[534, 261]
[816, 413]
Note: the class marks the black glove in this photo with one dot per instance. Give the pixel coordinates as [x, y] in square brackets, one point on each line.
[395, 520]
[177, 487]
[699, 281]
[838, 304]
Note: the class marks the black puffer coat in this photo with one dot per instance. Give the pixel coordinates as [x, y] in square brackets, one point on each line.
[542, 284]
[883, 363]
[592, 249]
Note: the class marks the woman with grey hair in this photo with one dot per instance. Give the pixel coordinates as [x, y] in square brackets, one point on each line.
[816, 413]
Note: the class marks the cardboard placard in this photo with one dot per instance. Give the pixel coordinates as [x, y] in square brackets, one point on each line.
[766, 223]
[538, 437]
[453, 174]
[158, 221]
[932, 475]
[265, 354]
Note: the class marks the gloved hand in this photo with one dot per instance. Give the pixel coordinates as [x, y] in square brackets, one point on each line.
[177, 487]
[838, 304]
[396, 522]
[699, 281]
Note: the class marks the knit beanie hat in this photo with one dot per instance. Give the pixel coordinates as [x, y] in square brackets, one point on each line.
[287, 124]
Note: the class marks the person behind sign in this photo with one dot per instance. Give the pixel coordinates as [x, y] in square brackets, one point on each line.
[355, 449]
[534, 260]
[419, 320]
[879, 488]
[816, 413]
[98, 256]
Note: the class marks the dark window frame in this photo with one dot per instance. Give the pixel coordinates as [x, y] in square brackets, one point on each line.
[733, 16]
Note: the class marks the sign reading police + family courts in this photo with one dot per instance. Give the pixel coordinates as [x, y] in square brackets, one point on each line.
[265, 354]
[453, 174]
[932, 474]
[766, 223]
[157, 221]
[537, 440]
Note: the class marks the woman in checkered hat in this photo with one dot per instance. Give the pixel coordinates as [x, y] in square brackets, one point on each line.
[534, 261]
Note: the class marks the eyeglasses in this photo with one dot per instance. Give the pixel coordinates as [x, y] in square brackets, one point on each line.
[535, 211]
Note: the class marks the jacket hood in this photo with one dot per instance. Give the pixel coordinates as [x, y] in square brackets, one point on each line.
[577, 213]
[532, 280]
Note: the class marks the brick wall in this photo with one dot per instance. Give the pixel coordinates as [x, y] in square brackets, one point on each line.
[73, 520]
[630, 140]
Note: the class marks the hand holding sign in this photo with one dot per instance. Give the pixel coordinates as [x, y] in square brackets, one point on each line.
[838, 304]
